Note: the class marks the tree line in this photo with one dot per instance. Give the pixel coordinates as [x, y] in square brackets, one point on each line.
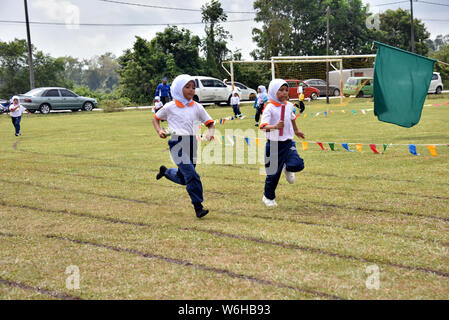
[287, 28]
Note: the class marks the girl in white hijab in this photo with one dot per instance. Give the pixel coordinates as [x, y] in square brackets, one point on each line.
[183, 116]
[259, 104]
[279, 122]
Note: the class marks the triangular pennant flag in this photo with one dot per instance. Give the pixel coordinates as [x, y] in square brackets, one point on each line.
[345, 145]
[224, 120]
[412, 149]
[343, 111]
[332, 146]
[363, 111]
[325, 113]
[258, 142]
[247, 141]
[321, 145]
[305, 146]
[433, 150]
[232, 118]
[354, 112]
[358, 146]
[385, 147]
[231, 141]
[317, 114]
[373, 147]
[224, 141]
[305, 115]
[221, 121]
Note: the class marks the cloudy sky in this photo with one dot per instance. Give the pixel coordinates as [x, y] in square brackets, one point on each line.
[85, 41]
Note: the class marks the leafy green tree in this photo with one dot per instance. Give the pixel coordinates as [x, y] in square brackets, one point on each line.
[299, 27]
[442, 55]
[440, 41]
[170, 53]
[215, 43]
[14, 69]
[395, 31]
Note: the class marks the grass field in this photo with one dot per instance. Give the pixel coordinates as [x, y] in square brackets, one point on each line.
[79, 189]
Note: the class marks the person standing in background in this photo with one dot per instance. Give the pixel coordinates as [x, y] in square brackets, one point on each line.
[163, 91]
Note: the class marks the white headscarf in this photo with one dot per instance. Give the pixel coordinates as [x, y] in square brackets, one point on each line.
[14, 98]
[176, 88]
[262, 94]
[273, 89]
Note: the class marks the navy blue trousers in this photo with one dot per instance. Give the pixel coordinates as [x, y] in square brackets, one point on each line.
[274, 163]
[183, 152]
[236, 110]
[16, 123]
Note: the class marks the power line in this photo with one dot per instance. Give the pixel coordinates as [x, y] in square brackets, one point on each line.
[114, 24]
[389, 3]
[168, 8]
[433, 3]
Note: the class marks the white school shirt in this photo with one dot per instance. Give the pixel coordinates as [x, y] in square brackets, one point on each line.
[272, 115]
[157, 105]
[18, 112]
[184, 120]
[235, 100]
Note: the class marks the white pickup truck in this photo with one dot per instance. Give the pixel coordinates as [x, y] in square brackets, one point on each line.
[211, 90]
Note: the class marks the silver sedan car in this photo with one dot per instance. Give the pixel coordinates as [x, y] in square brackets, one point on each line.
[51, 98]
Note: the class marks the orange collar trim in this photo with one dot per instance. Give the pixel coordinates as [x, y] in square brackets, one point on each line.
[180, 105]
[274, 103]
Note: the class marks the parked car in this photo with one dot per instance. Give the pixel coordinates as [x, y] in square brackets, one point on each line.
[245, 93]
[4, 106]
[321, 85]
[52, 98]
[436, 85]
[209, 89]
[358, 86]
[308, 91]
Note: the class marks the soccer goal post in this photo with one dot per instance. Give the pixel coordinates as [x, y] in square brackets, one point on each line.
[310, 71]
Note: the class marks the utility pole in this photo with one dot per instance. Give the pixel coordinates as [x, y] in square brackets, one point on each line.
[412, 31]
[30, 50]
[328, 10]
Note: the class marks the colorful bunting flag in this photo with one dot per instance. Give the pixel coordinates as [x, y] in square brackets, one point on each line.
[258, 142]
[412, 149]
[345, 145]
[385, 147]
[247, 141]
[354, 112]
[305, 146]
[358, 146]
[373, 147]
[433, 150]
[332, 146]
[321, 145]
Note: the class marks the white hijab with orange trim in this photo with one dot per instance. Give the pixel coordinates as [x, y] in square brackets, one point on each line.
[273, 89]
[176, 88]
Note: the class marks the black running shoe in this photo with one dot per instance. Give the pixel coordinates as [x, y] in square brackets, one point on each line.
[161, 173]
[201, 213]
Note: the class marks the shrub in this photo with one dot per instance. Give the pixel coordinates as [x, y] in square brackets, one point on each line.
[111, 106]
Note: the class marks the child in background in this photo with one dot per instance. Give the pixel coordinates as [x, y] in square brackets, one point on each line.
[259, 104]
[157, 104]
[15, 111]
[280, 151]
[235, 103]
[182, 116]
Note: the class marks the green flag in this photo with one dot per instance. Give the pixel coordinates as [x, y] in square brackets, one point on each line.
[332, 146]
[401, 82]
